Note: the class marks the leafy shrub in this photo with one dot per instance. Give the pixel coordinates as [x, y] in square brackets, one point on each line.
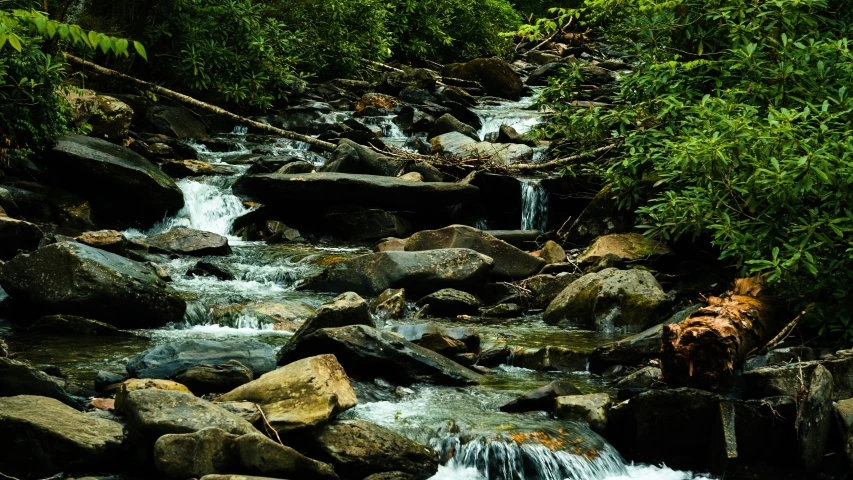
[735, 125]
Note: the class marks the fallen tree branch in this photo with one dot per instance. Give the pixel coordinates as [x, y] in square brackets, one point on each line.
[784, 333]
[559, 161]
[267, 424]
[386, 67]
[199, 104]
[556, 32]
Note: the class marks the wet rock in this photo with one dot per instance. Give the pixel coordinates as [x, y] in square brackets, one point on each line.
[609, 300]
[110, 240]
[112, 119]
[448, 123]
[113, 179]
[336, 188]
[393, 83]
[390, 304]
[552, 252]
[418, 271]
[495, 355]
[194, 168]
[390, 245]
[19, 378]
[41, 436]
[450, 302]
[358, 448]
[545, 288]
[550, 358]
[510, 263]
[815, 418]
[601, 217]
[460, 145]
[368, 353]
[628, 247]
[296, 167]
[590, 409]
[365, 224]
[452, 143]
[542, 398]
[414, 122]
[608, 260]
[287, 315]
[74, 325]
[186, 241]
[207, 269]
[301, 394]
[507, 134]
[442, 344]
[416, 333]
[495, 75]
[169, 359]
[787, 379]
[781, 355]
[176, 122]
[645, 377]
[502, 310]
[154, 413]
[105, 379]
[123, 389]
[214, 451]
[18, 235]
[75, 279]
[203, 379]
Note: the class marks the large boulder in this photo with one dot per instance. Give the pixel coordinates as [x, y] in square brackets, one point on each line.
[168, 360]
[358, 448]
[19, 378]
[370, 353]
[421, 271]
[545, 288]
[203, 379]
[153, 413]
[450, 302]
[628, 247]
[301, 394]
[17, 235]
[496, 76]
[176, 122]
[113, 179]
[389, 304]
[109, 240]
[214, 451]
[510, 262]
[41, 436]
[342, 188]
[590, 409]
[186, 241]
[448, 123]
[344, 310]
[75, 279]
[610, 300]
[112, 120]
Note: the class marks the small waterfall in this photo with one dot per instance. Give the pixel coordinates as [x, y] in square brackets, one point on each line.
[389, 128]
[534, 205]
[240, 130]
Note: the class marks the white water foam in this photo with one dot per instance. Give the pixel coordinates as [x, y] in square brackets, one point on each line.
[534, 205]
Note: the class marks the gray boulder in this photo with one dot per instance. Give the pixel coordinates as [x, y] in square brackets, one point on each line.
[369, 353]
[545, 288]
[113, 179]
[420, 271]
[41, 436]
[542, 398]
[203, 379]
[112, 120]
[187, 241]
[19, 378]
[450, 302]
[510, 263]
[168, 360]
[448, 123]
[75, 279]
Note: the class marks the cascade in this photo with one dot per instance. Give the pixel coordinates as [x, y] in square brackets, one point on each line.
[534, 205]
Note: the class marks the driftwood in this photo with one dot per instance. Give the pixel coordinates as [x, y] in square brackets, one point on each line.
[199, 104]
[560, 161]
[704, 350]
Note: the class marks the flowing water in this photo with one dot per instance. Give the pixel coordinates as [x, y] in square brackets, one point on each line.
[474, 439]
[534, 204]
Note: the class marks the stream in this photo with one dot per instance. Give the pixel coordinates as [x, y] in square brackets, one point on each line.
[474, 439]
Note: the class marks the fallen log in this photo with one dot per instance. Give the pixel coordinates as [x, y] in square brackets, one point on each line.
[199, 104]
[704, 350]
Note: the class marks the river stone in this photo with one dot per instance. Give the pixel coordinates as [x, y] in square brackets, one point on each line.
[186, 241]
[545, 288]
[609, 300]
[590, 409]
[552, 252]
[41, 436]
[113, 179]
[416, 332]
[153, 413]
[394, 82]
[510, 263]
[346, 309]
[214, 451]
[341, 188]
[358, 448]
[507, 134]
[542, 398]
[112, 120]
[844, 416]
[169, 359]
[17, 235]
[627, 246]
[502, 310]
[786, 380]
[203, 379]
[448, 123]
[208, 269]
[390, 304]
[123, 389]
[421, 271]
[110, 240]
[642, 378]
[195, 168]
[551, 358]
[75, 279]
[369, 353]
[815, 418]
[19, 378]
[176, 122]
[73, 325]
[449, 302]
[442, 344]
[601, 217]
[495, 75]
[301, 394]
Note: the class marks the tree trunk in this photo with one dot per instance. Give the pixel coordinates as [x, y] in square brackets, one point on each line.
[199, 104]
[704, 350]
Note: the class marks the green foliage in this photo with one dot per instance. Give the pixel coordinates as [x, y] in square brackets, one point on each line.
[448, 30]
[735, 125]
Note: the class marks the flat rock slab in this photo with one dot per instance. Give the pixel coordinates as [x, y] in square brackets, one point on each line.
[187, 241]
[168, 360]
[367, 190]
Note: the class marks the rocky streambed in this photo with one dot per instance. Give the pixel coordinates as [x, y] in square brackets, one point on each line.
[293, 314]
